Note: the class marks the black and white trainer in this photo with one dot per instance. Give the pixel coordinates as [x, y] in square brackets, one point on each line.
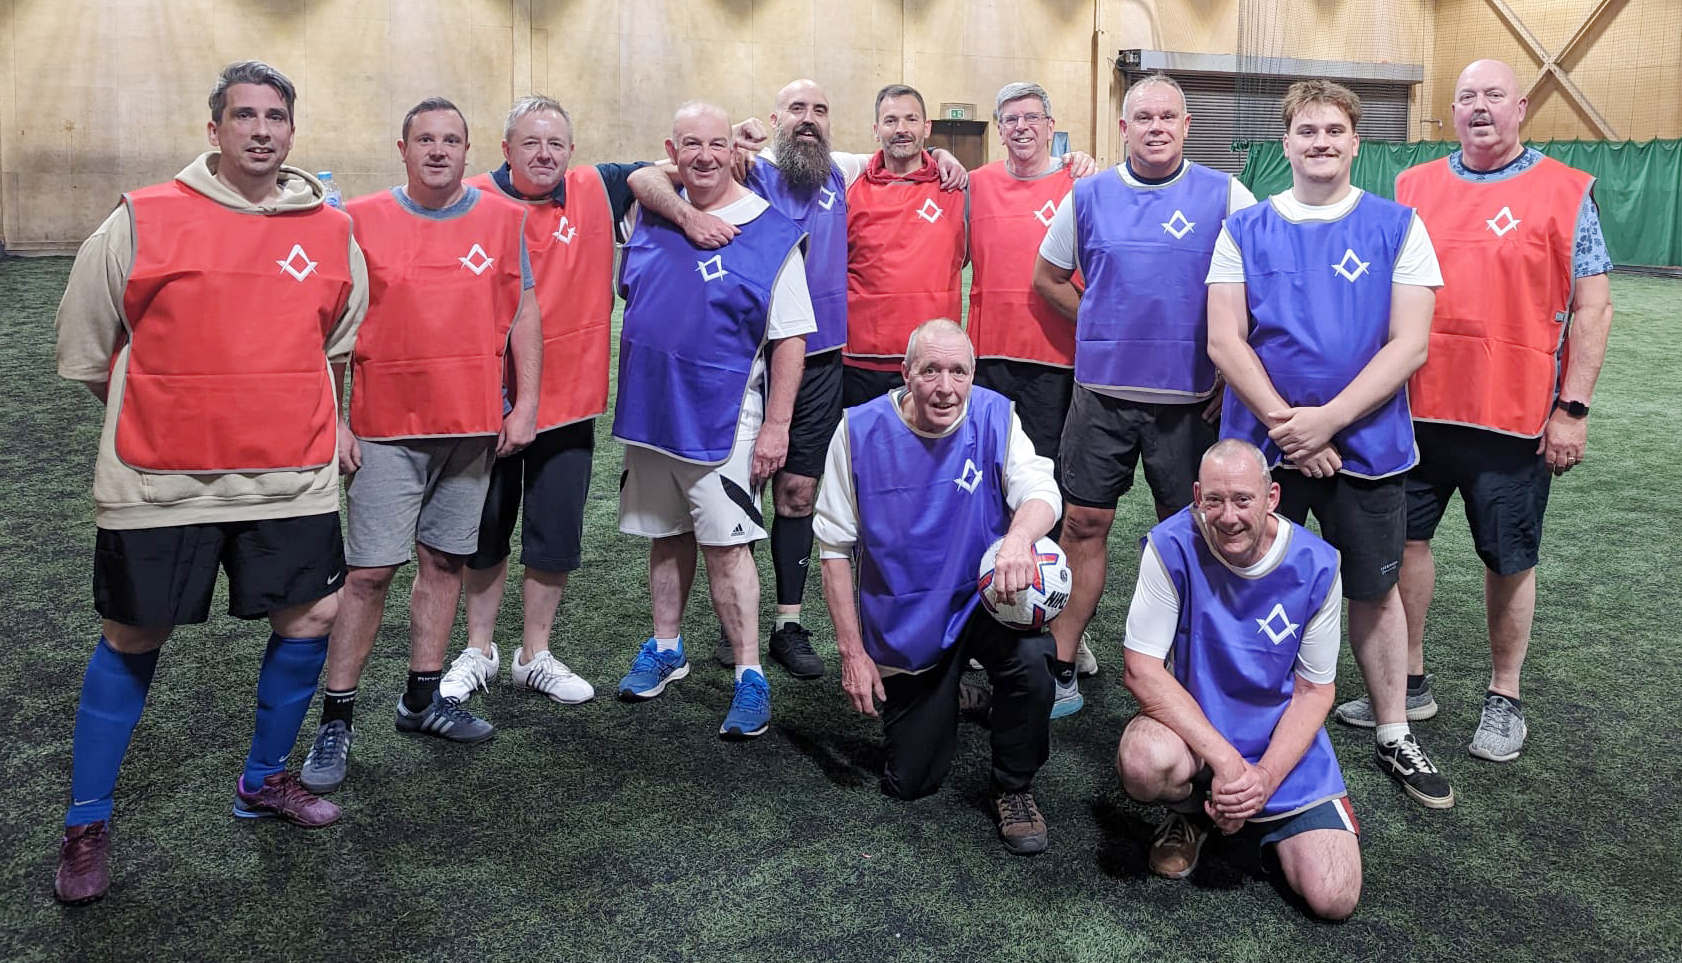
[1405, 761]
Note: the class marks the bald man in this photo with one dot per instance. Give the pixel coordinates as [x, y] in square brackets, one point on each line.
[802, 178]
[700, 435]
[1524, 313]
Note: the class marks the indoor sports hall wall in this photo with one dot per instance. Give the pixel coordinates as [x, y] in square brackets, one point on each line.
[97, 96]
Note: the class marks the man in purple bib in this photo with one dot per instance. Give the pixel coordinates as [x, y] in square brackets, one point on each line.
[943, 471]
[1320, 305]
[1231, 650]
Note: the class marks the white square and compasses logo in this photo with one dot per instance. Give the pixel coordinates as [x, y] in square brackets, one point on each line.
[1503, 222]
[930, 211]
[1351, 267]
[1046, 213]
[291, 264]
[1283, 631]
[828, 198]
[712, 268]
[969, 477]
[1178, 225]
[564, 231]
[477, 260]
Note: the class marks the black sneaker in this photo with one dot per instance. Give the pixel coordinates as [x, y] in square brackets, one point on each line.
[791, 647]
[1405, 761]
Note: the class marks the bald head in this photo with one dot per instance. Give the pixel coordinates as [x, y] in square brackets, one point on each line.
[1236, 453]
[800, 135]
[702, 147]
[699, 113]
[1233, 499]
[803, 89]
[1488, 111]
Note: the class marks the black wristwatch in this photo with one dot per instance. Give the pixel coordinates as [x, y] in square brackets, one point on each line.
[1575, 409]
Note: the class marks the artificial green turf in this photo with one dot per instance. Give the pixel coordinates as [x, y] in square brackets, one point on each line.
[612, 831]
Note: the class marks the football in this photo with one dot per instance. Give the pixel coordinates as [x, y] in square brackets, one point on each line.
[1044, 597]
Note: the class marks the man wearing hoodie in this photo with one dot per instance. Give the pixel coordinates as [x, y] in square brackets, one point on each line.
[207, 333]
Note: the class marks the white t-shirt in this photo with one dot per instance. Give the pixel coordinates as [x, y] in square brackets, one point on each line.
[1155, 612]
[1417, 263]
[790, 313]
[1059, 245]
[836, 521]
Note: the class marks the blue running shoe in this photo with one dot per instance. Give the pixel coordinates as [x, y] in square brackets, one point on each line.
[750, 710]
[652, 670]
[1066, 699]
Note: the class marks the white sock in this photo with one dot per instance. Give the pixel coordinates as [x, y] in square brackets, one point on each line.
[788, 617]
[743, 668]
[1391, 732]
[667, 645]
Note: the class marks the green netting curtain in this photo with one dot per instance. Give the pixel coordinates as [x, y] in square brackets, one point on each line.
[1638, 185]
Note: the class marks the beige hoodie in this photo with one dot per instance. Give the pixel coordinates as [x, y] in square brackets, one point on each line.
[90, 325]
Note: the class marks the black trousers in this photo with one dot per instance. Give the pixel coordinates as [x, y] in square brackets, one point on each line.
[920, 715]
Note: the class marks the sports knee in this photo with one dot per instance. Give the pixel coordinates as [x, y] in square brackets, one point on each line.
[1080, 524]
[794, 495]
[1335, 903]
[135, 639]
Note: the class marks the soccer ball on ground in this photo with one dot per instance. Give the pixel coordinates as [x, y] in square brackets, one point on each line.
[1041, 601]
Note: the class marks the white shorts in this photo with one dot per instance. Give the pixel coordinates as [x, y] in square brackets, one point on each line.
[662, 496]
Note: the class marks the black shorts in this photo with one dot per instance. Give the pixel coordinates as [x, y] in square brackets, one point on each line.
[162, 577]
[1504, 483]
[1364, 519]
[859, 385]
[1104, 437]
[551, 476]
[817, 410]
[1042, 393]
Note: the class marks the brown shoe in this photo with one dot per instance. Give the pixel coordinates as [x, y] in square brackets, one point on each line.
[83, 875]
[1178, 842]
[1021, 824]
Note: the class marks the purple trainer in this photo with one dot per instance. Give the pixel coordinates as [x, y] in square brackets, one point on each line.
[83, 875]
[282, 795]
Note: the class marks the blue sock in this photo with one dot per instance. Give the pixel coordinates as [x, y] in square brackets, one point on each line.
[284, 689]
[113, 693]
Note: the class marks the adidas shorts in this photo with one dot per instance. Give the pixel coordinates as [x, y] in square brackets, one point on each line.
[661, 496]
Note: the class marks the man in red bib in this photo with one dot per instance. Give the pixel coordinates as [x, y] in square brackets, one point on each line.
[1501, 404]
[450, 293]
[571, 216]
[204, 313]
[906, 241]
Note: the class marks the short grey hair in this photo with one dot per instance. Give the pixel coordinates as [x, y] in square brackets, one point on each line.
[1019, 90]
[251, 72]
[1237, 448]
[534, 104]
[936, 326]
[1155, 79]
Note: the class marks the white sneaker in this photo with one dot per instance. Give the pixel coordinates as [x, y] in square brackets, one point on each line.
[550, 676]
[471, 670]
[1086, 664]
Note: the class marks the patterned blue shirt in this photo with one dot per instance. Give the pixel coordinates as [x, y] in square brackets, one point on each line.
[1590, 258]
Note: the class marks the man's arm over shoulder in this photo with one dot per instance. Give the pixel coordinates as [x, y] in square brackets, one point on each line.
[655, 189]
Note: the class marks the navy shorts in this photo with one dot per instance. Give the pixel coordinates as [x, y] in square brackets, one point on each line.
[551, 476]
[161, 577]
[1503, 481]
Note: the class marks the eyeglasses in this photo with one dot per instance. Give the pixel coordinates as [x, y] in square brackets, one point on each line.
[1023, 120]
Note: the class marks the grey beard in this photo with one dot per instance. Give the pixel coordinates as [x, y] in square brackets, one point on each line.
[805, 165]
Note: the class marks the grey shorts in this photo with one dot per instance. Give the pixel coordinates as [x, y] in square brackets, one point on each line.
[427, 490]
[1104, 439]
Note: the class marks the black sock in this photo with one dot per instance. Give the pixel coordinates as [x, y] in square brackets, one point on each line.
[1415, 681]
[338, 706]
[1063, 671]
[1518, 705]
[791, 553]
[422, 687]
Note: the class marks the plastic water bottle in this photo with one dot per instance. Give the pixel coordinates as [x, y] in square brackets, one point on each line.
[332, 196]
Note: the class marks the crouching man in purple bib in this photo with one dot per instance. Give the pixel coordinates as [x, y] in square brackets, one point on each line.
[943, 470]
[1231, 650]
[701, 434]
